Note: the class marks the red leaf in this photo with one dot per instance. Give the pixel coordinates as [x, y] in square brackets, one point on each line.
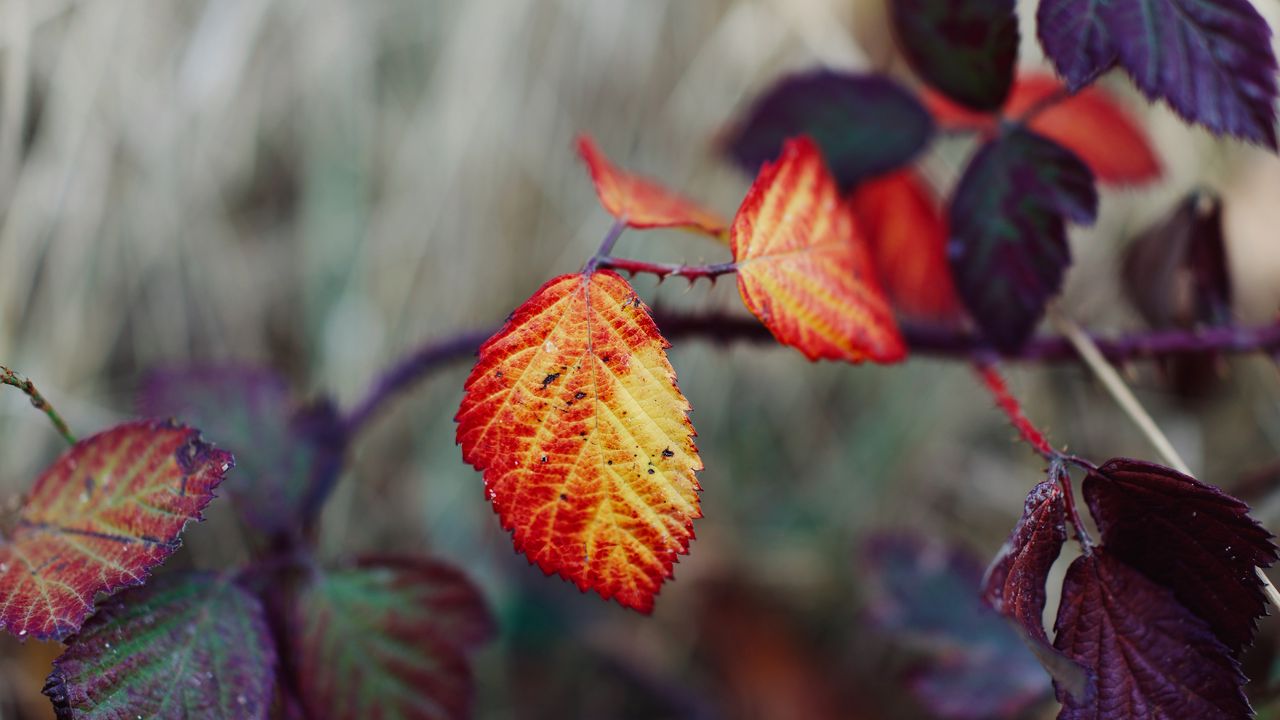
[388, 638]
[99, 518]
[1151, 657]
[908, 236]
[573, 414]
[643, 203]
[1015, 582]
[803, 267]
[1091, 123]
[1188, 536]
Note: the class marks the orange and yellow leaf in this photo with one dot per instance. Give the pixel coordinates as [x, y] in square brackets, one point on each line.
[643, 203]
[803, 267]
[908, 237]
[573, 415]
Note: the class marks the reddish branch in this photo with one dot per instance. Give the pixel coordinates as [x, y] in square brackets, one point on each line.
[1005, 400]
[926, 341]
[665, 270]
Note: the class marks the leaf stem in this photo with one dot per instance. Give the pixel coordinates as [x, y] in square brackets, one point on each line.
[9, 377]
[1058, 471]
[922, 340]
[606, 246]
[1005, 400]
[408, 371]
[665, 270]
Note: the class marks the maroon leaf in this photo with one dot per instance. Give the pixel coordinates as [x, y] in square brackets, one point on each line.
[965, 49]
[1076, 39]
[1008, 246]
[1188, 536]
[1015, 582]
[1152, 657]
[1176, 272]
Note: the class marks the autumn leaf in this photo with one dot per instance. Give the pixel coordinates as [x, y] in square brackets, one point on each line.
[573, 415]
[908, 236]
[866, 124]
[99, 518]
[644, 203]
[804, 268]
[1091, 123]
[288, 455]
[183, 646]
[1015, 582]
[1151, 657]
[387, 638]
[1188, 536]
[967, 50]
[1008, 247]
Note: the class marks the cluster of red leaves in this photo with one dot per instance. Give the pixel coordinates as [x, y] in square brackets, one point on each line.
[572, 412]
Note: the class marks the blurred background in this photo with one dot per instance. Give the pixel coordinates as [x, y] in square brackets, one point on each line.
[321, 185]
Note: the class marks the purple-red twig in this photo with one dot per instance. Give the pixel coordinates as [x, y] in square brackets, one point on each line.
[1008, 404]
[922, 340]
[665, 270]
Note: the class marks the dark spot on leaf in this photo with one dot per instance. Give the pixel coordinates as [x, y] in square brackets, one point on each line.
[563, 496]
[668, 453]
[579, 395]
[650, 471]
[549, 379]
[544, 458]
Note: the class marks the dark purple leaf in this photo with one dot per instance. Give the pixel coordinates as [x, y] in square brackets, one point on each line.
[183, 646]
[865, 124]
[927, 596]
[1176, 274]
[1152, 657]
[1188, 536]
[1076, 38]
[287, 455]
[967, 50]
[1015, 582]
[1212, 61]
[1008, 247]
